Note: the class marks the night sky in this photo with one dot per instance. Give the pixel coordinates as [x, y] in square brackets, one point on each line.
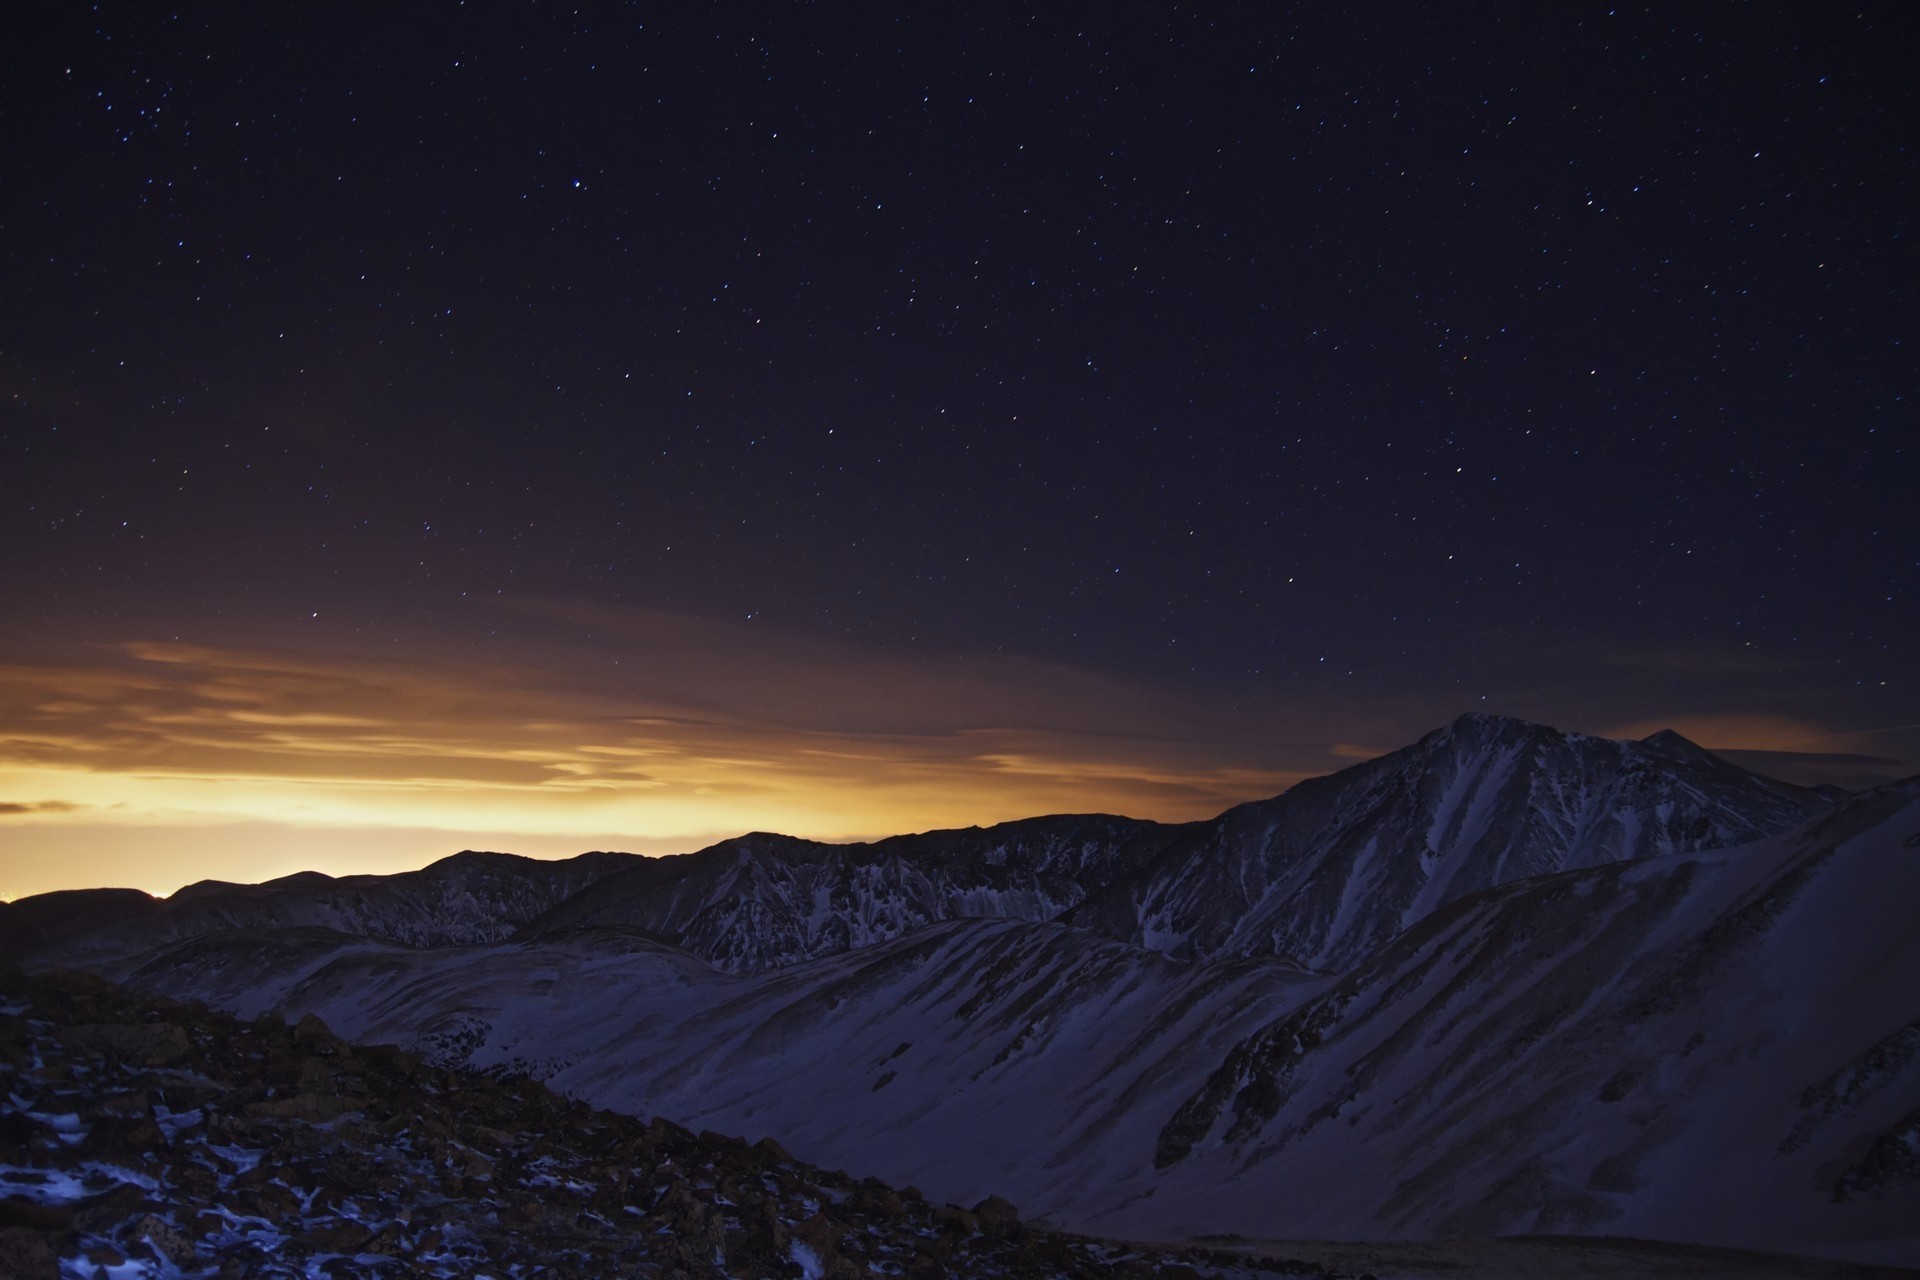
[539, 428]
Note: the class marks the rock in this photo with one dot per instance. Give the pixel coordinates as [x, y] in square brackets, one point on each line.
[567, 1192]
[996, 1214]
[314, 1108]
[667, 1133]
[314, 1036]
[26, 1255]
[313, 1077]
[767, 1146]
[164, 1239]
[18, 1129]
[761, 1240]
[340, 1237]
[709, 1138]
[39, 1217]
[152, 1046]
[101, 1213]
[132, 1136]
[955, 1219]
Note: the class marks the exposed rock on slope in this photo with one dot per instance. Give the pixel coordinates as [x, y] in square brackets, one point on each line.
[466, 898]
[1544, 987]
[751, 903]
[154, 1140]
[1713, 1047]
[1320, 875]
[1337, 866]
[973, 1057]
[761, 900]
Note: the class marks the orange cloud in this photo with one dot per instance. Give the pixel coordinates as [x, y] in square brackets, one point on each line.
[573, 725]
[697, 730]
[1736, 731]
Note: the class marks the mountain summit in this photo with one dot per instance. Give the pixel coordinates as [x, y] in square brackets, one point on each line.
[1336, 866]
[1505, 980]
[1320, 874]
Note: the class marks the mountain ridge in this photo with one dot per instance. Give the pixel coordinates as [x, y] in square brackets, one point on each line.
[1502, 980]
[1235, 884]
[1564, 1053]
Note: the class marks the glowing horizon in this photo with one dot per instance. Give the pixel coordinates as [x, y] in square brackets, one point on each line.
[155, 764]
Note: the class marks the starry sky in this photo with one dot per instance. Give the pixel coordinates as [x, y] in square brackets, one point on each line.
[544, 428]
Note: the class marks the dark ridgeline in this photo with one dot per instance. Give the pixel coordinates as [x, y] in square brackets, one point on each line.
[1504, 980]
[1319, 875]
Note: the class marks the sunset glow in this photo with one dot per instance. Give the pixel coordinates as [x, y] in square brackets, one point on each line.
[164, 735]
[158, 763]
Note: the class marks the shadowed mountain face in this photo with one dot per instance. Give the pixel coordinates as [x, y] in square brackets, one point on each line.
[469, 897]
[1339, 865]
[746, 904]
[1037, 1061]
[1319, 875]
[1504, 980]
[761, 901]
[1716, 1046]
[35, 923]
[257, 1149]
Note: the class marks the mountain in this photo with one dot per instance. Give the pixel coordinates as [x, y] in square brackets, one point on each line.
[1339, 865]
[746, 904]
[761, 900]
[259, 1149]
[973, 1056]
[466, 898]
[1720, 1047]
[1321, 874]
[1506, 980]
[36, 923]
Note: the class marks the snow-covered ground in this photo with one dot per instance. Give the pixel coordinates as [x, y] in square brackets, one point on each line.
[1549, 984]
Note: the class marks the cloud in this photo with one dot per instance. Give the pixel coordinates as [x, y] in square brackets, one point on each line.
[561, 724]
[1815, 757]
[1739, 731]
[663, 728]
[1854, 771]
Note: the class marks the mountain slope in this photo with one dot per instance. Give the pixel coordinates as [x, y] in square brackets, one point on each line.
[1321, 874]
[466, 898]
[150, 1139]
[46, 919]
[1720, 1047]
[1337, 866]
[761, 900]
[973, 1056]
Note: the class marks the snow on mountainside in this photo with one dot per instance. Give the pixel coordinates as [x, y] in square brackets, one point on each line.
[1546, 983]
[1718, 1047]
[746, 904]
[1338, 865]
[466, 898]
[761, 900]
[975, 1055]
[1320, 875]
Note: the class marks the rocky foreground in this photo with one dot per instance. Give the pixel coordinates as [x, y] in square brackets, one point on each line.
[143, 1138]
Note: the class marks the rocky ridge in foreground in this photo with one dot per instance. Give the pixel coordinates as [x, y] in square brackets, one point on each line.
[141, 1137]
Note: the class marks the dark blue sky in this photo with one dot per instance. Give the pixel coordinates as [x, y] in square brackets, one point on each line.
[1556, 356]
